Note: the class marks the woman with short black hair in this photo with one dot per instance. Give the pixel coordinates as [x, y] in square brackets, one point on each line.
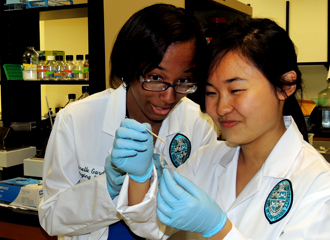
[157, 61]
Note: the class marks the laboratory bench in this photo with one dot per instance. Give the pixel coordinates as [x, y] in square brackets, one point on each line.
[15, 223]
[21, 224]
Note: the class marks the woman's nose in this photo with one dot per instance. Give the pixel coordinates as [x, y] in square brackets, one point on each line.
[168, 96]
[224, 107]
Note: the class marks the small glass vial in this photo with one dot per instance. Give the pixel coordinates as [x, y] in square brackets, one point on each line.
[30, 61]
[86, 67]
[72, 98]
[29, 72]
[79, 71]
[41, 68]
[50, 68]
[59, 68]
[69, 68]
[85, 92]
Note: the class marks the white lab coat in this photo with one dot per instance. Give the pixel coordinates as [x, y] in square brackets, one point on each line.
[213, 168]
[76, 200]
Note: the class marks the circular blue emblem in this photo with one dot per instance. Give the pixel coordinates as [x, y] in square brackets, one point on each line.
[279, 201]
[180, 149]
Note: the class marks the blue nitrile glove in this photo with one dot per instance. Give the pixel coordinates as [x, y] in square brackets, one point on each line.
[133, 149]
[115, 177]
[158, 165]
[183, 205]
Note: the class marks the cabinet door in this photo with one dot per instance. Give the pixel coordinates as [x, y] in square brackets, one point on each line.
[308, 24]
[309, 29]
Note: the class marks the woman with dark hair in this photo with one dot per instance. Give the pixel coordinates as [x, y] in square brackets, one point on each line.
[273, 56]
[156, 59]
[142, 42]
[265, 181]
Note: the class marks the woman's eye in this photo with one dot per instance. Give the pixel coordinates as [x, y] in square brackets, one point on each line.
[155, 78]
[209, 93]
[236, 90]
[184, 80]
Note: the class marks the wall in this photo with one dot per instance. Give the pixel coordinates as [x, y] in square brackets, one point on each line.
[314, 76]
[268, 8]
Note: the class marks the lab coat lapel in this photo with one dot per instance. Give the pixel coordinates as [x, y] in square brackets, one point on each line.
[227, 182]
[115, 111]
[250, 189]
[285, 152]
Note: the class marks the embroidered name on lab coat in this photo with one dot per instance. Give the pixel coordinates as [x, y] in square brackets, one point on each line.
[88, 172]
[180, 149]
[279, 201]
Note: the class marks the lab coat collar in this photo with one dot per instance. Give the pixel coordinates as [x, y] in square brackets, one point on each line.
[115, 110]
[281, 157]
[278, 162]
[285, 151]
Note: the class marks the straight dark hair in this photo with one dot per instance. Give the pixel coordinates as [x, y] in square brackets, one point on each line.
[269, 48]
[145, 37]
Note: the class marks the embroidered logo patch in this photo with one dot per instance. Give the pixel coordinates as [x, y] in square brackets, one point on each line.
[180, 149]
[279, 201]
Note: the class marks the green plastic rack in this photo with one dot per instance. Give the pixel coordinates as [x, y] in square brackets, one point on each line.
[13, 71]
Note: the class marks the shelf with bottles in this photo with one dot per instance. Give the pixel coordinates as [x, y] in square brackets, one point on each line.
[14, 43]
[17, 39]
[36, 68]
[63, 71]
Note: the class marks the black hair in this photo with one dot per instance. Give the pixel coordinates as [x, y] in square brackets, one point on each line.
[144, 38]
[269, 48]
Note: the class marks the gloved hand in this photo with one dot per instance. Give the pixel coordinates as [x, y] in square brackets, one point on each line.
[133, 149]
[115, 177]
[182, 205]
[158, 165]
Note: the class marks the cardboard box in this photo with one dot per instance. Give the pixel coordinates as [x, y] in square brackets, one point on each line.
[33, 167]
[21, 192]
